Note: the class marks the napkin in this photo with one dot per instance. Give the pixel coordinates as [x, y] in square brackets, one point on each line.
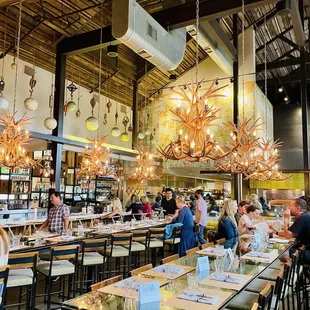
[198, 297]
[215, 251]
[226, 278]
[259, 254]
[169, 268]
[278, 240]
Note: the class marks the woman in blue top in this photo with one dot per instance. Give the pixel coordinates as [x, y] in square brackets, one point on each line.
[227, 226]
[184, 216]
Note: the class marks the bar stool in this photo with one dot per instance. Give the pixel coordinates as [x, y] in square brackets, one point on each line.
[59, 266]
[138, 245]
[156, 241]
[138, 271]
[4, 272]
[175, 239]
[119, 248]
[169, 259]
[23, 274]
[90, 258]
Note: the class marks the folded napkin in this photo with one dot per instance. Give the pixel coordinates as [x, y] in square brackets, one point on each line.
[278, 240]
[225, 278]
[127, 283]
[198, 297]
[169, 268]
[215, 251]
[259, 254]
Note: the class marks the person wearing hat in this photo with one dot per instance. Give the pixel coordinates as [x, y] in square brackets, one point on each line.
[255, 202]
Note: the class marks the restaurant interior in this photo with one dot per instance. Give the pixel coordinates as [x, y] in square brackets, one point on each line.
[154, 154]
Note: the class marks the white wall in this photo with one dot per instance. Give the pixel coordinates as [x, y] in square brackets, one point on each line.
[72, 125]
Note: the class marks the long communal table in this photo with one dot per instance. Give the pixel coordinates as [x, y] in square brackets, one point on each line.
[112, 298]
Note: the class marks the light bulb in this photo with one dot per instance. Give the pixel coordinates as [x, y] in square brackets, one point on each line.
[227, 92]
[280, 90]
[187, 111]
[208, 132]
[192, 144]
[180, 132]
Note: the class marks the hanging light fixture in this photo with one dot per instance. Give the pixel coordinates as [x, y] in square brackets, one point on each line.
[78, 111]
[13, 138]
[30, 103]
[92, 122]
[115, 131]
[144, 170]
[195, 141]
[95, 162]
[50, 122]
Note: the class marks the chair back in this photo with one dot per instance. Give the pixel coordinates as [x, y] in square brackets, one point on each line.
[138, 271]
[265, 297]
[256, 306]
[211, 235]
[121, 239]
[191, 251]
[220, 241]
[157, 233]
[278, 289]
[294, 266]
[116, 218]
[106, 282]
[94, 245]
[24, 260]
[206, 245]
[176, 233]
[169, 259]
[140, 235]
[65, 252]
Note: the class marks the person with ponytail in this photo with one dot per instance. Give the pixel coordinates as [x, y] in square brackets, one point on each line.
[227, 226]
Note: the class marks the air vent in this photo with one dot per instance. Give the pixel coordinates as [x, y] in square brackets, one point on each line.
[29, 71]
[144, 54]
[123, 109]
[151, 31]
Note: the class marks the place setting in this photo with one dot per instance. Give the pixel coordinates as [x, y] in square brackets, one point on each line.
[213, 251]
[168, 271]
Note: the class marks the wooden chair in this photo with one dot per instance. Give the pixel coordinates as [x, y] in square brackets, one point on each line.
[139, 244]
[138, 271]
[265, 297]
[206, 245]
[192, 251]
[156, 241]
[169, 259]
[4, 272]
[220, 241]
[256, 307]
[106, 282]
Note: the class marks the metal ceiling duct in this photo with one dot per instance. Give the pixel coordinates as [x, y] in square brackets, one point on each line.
[138, 30]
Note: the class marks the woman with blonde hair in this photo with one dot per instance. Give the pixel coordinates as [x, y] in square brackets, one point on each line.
[227, 226]
[4, 247]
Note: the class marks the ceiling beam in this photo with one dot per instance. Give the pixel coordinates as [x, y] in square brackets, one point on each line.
[261, 21]
[279, 64]
[289, 42]
[261, 48]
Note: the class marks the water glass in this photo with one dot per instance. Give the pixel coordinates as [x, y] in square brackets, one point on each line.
[219, 264]
[192, 281]
[69, 233]
[129, 304]
[64, 234]
[16, 241]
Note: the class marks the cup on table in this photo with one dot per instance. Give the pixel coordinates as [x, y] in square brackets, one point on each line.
[16, 241]
[192, 281]
[219, 264]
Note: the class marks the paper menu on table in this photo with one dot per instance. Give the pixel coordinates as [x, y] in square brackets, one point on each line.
[148, 292]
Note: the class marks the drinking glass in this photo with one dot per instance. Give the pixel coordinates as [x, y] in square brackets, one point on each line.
[64, 234]
[170, 277]
[192, 281]
[219, 264]
[16, 241]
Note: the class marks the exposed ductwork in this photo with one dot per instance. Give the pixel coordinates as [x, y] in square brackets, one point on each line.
[138, 30]
[212, 41]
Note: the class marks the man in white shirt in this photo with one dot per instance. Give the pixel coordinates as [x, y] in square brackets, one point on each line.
[201, 215]
[245, 224]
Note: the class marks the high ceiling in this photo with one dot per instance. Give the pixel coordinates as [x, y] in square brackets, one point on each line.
[46, 23]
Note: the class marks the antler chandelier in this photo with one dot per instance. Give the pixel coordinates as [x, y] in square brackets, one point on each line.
[12, 140]
[144, 170]
[195, 141]
[95, 162]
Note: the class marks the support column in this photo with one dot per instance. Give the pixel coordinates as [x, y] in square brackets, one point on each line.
[59, 102]
[304, 106]
[135, 118]
[236, 177]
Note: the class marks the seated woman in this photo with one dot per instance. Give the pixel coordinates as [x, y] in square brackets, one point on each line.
[184, 216]
[245, 225]
[227, 226]
[147, 208]
[136, 208]
[117, 209]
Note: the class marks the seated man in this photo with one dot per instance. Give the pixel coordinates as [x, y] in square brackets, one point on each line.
[300, 229]
[241, 210]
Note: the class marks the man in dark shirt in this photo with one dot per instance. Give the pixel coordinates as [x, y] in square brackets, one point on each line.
[169, 204]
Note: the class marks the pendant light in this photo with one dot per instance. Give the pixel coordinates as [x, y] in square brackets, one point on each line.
[50, 122]
[78, 111]
[115, 131]
[30, 103]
